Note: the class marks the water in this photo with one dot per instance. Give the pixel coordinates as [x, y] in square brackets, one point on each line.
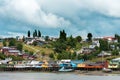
[52, 76]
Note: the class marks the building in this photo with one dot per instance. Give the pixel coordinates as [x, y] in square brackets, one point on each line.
[104, 54]
[6, 49]
[110, 39]
[114, 63]
[10, 51]
[13, 52]
[86, 50]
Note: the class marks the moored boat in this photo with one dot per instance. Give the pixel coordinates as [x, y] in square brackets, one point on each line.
[63, 69]
[106, 70]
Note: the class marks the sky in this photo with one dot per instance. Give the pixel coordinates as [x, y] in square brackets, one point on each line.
[76, 17]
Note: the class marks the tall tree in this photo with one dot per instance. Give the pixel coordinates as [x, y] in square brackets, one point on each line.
[104, 46]
[46, 38]
[89, 36]
[117, 37]
[12, 42]
[20, 46]
[71, 42]
[78, 38]
[62, 35]
[4, 43]
[35, 33]
[39, 33]
[29, 33]
[23, 39]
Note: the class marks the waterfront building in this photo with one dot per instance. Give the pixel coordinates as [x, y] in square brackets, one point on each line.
[114, 63]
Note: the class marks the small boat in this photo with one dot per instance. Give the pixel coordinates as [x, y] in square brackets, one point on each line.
[63, 69]
[107, 70]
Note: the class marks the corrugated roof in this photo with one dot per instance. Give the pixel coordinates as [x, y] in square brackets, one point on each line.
[16, 51]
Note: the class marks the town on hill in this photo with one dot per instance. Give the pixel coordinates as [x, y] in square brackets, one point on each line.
[37, 50]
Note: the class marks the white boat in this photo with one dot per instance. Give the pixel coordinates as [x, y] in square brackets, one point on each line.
[63, 69]
[106, 70]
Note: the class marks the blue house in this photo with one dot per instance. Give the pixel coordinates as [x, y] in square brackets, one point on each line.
[70, 63]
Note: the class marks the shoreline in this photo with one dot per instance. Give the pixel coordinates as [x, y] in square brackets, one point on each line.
[97, 73]
[77, 72]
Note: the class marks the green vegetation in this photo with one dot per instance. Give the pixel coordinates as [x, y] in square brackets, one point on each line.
[39, 33]
[78, 38]
[29, 33]
[12, 42]
[4, 43]
[14, 58]
[15, 43]
[19, 46]
[115, 52]
[89, 36]
[104, 45]
[2, 56]
[65, 47]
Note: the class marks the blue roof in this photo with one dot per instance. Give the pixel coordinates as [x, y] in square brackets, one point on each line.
[77, 61]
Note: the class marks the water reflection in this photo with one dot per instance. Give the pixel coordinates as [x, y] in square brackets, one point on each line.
[54, 76]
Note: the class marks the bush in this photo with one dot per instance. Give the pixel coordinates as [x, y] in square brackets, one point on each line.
[2, 56]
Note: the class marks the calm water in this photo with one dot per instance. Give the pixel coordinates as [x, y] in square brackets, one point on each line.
[52, 76]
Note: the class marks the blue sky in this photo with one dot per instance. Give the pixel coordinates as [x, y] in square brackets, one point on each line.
[77, 17]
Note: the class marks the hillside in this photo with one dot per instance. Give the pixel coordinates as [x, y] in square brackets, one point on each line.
[38, 50]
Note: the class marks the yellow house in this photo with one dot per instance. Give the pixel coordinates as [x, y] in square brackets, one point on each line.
[114, 63]
[113, 66]
[45, 64]
[80, 65]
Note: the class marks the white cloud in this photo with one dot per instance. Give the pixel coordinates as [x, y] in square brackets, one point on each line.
[30, 11]
[76, 16]
[106, 7]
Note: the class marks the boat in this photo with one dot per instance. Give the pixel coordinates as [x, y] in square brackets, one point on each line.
[106, 70]
[63, 69]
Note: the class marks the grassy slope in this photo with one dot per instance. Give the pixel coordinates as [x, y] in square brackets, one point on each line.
[38, 50]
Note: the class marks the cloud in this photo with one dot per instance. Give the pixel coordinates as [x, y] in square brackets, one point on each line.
[30, 11]
[77, 17]
[106, 7]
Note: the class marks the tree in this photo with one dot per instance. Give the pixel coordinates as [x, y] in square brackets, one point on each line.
[4, 43]
[20, 46]
[71, 42]
[35, 33]
[79, 57]
[117, 37]
[12, 42]
[29, 33]
[23, 39]
[78, 38]
[85, 57]
[115, 52]
[2, 56]
[35, 43]
[51, 55]
[62, 35]
[63, 55]
[74, 55]
[89, 36]
[60, 46]
[46, 38]
[43, 53]
[104, 46]
[39, 33]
